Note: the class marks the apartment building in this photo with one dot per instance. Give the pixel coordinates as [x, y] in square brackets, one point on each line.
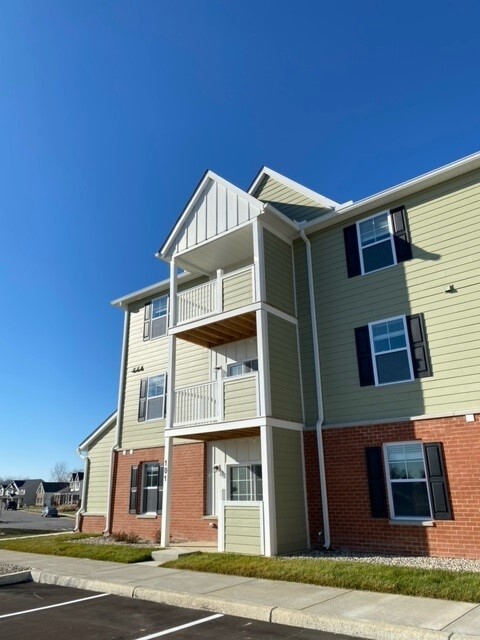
[307, 376]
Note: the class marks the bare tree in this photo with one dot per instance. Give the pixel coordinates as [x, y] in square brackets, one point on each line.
[59, 472]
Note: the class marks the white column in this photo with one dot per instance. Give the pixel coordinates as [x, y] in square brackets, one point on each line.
[265, 401]
[270, 525]
[219, 284]
[258, 261]
[167, 484]
[173, 294]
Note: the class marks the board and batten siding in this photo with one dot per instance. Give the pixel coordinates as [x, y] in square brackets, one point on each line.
[237, 290]
[445, 237]
[279, 273]
[99, 454]
[242, 529]
[291, 203]
[289, 491]
[240, 397]
[284, 370]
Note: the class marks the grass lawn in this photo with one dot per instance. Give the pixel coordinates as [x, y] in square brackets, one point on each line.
[428, 583]
[20, 533]
[63, 546]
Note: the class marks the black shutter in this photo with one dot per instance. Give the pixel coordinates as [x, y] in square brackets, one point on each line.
[133, 490]
[160, 489]
[147, 318]
[438, 482]
[376, 482]
[418, 346]
[142, 403]
[364, 356]
[352, 254]
[403, 248]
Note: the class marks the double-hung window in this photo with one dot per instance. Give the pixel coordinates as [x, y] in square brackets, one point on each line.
[377, 242]
[146, 488]
[392, 361]
[241, 368]
[152, 398]
[245, 482]
[155, 318]
[407, 483]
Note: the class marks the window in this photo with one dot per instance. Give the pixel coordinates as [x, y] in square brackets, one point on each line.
[412, 475]
[407, 481]
[392, 350]
[152, 398]
[155, 318]
[240, 368]
[377, 242]
[146, 488]
[245, 482]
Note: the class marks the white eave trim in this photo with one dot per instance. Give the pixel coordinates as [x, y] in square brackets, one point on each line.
[209, 175]
[103, 427]
[402, 190]
[323, 201]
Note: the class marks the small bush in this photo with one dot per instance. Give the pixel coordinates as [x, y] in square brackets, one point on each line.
[124, 536]
[67, 507]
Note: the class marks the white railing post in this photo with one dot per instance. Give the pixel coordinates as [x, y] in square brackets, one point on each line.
[173, 299]
[219, 290]
[220, 397]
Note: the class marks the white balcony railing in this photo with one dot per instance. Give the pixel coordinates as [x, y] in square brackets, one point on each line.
[228, 291]
[234, 398]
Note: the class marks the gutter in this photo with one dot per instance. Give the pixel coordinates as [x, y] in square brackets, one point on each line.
[121, 397]
[318, 385]
[86, 470]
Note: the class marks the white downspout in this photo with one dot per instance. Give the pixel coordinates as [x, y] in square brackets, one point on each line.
[86, 469]
[318, 384]
[121, 397]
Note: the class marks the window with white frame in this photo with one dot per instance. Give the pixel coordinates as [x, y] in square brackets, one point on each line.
[245, 482]
[152, 487]
[376, 242]
[156, 397]
[407, 482]
[159, 317]
[241, 368]
[392, 361]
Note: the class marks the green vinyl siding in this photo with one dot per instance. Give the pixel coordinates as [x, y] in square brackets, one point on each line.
[237, 290]
[240, 398]
[445, 236]
[99, 454]
[243, 529]
[289, 491]
[291, 203]
[284, 370]
[279, 273]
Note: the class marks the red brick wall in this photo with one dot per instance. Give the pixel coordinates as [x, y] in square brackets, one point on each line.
[352, 526]
[188, 495]
[92, 524]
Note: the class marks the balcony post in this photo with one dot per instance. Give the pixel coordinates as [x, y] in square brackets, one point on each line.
[168, 450]
[219, 302]
[263, 363]
[258, 261]
[270, 527]
[173, 294]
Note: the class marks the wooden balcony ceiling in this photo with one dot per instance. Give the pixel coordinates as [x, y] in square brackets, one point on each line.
[216, 333]
[251, 432]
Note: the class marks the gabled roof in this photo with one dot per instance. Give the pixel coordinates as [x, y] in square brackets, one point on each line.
[106, 424]
[212, 194]
[53, 487]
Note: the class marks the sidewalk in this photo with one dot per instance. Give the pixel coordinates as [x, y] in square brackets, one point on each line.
[356, 613]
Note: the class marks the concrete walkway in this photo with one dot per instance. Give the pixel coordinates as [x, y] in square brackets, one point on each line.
[356, 613]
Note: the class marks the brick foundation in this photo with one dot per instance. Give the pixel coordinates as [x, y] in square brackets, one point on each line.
[352, 526]
[92, 524]
[188, 495]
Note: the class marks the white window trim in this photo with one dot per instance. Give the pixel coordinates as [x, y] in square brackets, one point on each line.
[242, 362]
[407, 348]
[393, 517]
[162, 417]
[167, 315]
[392, 242]
[160, 474]
[236, 465]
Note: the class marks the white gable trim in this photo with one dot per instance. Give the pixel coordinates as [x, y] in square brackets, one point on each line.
[209, 175]
[313, 195]
[103, 427]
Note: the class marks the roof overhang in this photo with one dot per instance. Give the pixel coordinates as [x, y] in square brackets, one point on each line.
[106, 424]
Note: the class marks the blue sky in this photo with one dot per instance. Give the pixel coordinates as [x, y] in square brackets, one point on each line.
[110, 112]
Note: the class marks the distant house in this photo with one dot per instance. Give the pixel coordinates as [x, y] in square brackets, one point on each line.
[23, 492]
[47, 491]
[72, 493]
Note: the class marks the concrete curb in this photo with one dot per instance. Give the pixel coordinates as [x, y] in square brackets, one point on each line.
[15, 578]
[370, 630]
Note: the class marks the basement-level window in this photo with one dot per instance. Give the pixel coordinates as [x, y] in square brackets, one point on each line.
[245, 482]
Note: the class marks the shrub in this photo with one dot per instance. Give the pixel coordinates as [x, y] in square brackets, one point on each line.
[124, 536]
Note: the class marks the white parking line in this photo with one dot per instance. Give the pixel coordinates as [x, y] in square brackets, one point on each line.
[183, 626]
[52, 606]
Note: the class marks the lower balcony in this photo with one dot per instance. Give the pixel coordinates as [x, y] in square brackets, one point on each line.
[225, 400]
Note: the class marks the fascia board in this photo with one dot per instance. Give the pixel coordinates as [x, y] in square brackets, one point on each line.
[402, 190]
[105, 425]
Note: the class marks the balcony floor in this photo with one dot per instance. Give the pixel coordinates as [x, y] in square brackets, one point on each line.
[213, 334]
[249, 432]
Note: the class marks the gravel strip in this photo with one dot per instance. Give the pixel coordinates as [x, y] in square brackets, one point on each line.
[418, 562]
[11, 568]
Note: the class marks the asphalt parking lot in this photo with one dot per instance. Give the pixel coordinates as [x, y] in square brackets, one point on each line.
[31, 611]
[23, 519]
